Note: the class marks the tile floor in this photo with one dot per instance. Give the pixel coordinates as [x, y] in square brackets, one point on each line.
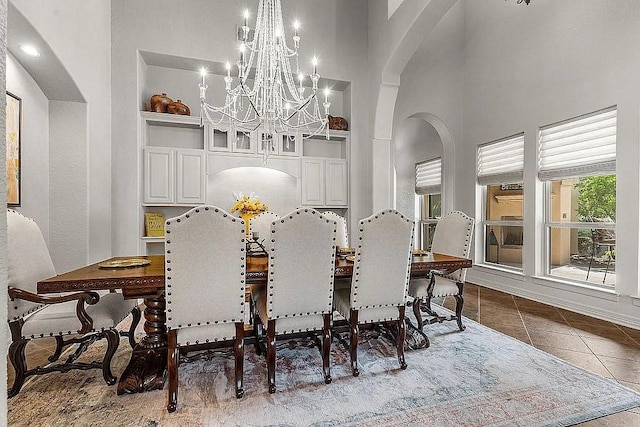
[604, 348]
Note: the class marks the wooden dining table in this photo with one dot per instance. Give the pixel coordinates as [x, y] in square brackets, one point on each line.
[148, 364]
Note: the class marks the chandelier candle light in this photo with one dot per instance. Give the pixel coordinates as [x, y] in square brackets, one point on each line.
[274, 105]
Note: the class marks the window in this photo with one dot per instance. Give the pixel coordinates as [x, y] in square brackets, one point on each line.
[500, 169]
[430, 213]
[429, 200]
[577, 161]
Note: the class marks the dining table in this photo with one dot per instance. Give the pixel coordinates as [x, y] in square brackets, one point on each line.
[147, 368]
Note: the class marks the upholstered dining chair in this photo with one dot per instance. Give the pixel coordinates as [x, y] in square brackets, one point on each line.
[452, 237]
[204, 287]
[342, 236]
[342, 241]
[299, 293]
[378, 294]
[84, 317]
[261, 224]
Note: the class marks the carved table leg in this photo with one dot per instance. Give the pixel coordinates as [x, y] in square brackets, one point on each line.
[147, 369]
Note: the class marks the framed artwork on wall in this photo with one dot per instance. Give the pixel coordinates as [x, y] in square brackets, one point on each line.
[14, 118]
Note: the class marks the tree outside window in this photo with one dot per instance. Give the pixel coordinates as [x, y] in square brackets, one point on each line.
[596, 197]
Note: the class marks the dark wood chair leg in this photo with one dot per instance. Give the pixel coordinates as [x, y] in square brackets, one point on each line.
[59, 346]
[459, 304]
[427, 300]
[239, 353]
[271, 355]
[252, 308]
[257, 333]
[416, 312]
[113, 341]
[173, 360]
[326, 349]
[19, 362]
[353, 344]
[401, 337]
[427, 303]
[137, 314]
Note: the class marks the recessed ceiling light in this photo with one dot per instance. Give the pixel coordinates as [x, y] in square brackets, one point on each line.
[30, 50]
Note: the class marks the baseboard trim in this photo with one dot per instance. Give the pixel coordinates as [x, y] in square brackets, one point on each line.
[617, 317]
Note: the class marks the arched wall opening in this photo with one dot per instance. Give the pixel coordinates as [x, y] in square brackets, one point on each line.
[54, 150]
[278, 189]
[407, 29]
[420, 137]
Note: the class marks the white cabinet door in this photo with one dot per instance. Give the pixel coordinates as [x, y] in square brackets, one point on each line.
[159, 170]
[312, 182]
[190, 177]
[336, 180]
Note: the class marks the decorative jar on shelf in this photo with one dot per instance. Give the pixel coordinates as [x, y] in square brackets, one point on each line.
[159, 103]
[178, 107]
[338, 123]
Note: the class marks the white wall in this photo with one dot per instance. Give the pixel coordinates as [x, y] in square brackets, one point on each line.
[3, 218]
[279, 190]
[79, 32]
[392, 42]
[523, 67]
[34, 154]
[69, 184]
[415, 141]
[334, 30]
[432, 83]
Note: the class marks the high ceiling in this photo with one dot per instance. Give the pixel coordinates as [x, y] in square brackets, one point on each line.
[46, 70]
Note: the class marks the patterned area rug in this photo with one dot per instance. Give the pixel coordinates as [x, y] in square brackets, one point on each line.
[478, 377]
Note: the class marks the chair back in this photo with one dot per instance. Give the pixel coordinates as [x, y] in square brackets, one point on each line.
[342, 236]
[28, 260]
[262, 224]
[383, 260]
[301, 265]
[453, 237]
[204, 268]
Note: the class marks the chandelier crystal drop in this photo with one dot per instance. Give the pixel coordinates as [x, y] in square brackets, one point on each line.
[265, 97]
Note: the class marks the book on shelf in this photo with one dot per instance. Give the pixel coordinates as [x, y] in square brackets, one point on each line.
[154, 224]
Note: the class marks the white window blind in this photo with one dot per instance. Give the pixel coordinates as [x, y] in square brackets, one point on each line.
[428, 176]
[501, 162]
[579, 147]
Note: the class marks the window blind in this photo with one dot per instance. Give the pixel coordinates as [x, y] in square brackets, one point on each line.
[428, 176]
[582, 146]
[501, 162]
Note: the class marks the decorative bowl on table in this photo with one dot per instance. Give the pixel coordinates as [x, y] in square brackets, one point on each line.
[125, 263]
[345, 250]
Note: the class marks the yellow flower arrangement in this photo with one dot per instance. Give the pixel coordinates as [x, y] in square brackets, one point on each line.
[246, 205]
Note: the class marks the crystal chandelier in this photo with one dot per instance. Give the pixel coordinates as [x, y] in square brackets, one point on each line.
[265, 97]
